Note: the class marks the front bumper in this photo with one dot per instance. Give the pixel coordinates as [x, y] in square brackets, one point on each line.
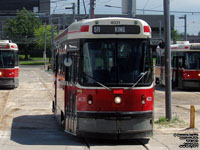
[126, 125]
[194, 84]
[9, 82]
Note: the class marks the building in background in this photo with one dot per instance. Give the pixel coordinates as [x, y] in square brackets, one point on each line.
[9, 8]
[126, 7]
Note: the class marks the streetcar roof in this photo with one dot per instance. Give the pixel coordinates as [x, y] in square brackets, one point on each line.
[7, 45]
[184, 46]
[85, 29]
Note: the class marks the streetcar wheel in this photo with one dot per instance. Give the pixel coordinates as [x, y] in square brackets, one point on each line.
[62, 119]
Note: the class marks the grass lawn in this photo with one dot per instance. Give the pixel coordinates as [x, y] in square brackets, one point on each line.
[32, 61]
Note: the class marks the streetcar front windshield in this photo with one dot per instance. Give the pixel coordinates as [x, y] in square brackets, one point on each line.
[7, 59]
[192, 60]
[116, 62]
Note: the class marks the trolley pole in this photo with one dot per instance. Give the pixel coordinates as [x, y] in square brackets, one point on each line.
[168, 83]
[185, 25]
[91, 15]
[52, 46]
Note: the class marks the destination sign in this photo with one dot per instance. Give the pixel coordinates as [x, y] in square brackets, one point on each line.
[116, 29]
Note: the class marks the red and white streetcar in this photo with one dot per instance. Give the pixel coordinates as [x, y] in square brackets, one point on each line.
[9, 64]
[185, 65]
[104, 79]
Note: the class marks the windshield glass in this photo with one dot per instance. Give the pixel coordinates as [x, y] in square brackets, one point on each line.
[192, 60]
[116, 62]
[6, 59]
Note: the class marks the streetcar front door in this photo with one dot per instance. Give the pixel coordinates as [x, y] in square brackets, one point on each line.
[177, 64]
[70, 97]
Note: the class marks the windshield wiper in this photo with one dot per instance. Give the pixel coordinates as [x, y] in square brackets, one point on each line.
[142, 74]
[97, 81]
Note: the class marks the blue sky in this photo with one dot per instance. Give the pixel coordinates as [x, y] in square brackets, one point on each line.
[193, 22]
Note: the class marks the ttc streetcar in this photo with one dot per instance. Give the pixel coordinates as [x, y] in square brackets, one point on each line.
[185, 65]
[9, 64]
[104, 79]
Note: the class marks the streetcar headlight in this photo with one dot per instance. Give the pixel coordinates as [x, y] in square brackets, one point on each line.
[118, 100]
[0, 73]
[199, 74]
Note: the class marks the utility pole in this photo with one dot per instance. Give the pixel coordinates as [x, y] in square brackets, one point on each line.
[78, 7]
[64, 22]
[45, 45]
[185, 25]
[168, 83]
[73, 9]
[91, 14]
[160, 30]
[130, 9]
[84, 7]
[52, 43]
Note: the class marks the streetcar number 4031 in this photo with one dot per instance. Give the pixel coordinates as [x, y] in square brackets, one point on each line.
[115, 22]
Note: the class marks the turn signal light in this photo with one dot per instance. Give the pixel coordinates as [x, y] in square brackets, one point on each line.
[186, 75]
[143, 99]
[90, 100]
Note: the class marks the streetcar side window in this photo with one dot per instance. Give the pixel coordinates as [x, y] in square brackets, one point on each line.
[69, 70]
[16, 58]
[72, 71]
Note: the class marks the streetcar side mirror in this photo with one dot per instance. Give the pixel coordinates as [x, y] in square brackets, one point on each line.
[162, 44]
[68, 62]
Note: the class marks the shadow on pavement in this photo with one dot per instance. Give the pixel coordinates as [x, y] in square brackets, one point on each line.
[41, 130]
[44, 130]
[96, 142]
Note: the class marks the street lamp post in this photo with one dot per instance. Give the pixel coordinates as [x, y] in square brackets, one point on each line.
[73, 9]
[91, 14]
[45, 45]
[185, 25]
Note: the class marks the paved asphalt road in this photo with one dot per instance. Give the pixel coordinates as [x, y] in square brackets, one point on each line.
[27, 123]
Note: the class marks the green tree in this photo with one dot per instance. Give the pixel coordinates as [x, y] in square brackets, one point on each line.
[21, 28]
[175, 35]
[39, 34]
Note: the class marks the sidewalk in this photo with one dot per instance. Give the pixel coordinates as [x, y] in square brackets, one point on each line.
[176, 136]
